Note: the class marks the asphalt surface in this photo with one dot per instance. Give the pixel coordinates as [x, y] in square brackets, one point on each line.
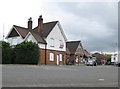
[59, 76]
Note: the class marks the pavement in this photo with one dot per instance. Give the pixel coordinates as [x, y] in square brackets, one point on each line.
[59, 76]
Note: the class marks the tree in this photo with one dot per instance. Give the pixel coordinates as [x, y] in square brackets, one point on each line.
[7, 53]
[108, 58]
[0, 52]
[27, 53]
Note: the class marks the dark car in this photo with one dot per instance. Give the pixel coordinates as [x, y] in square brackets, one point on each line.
[118, 64]
[69, 62]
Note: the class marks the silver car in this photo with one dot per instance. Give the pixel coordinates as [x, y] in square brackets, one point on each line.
[91, 62]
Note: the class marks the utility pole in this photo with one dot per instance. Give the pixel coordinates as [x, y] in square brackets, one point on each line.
[115, 54]
[3, 31]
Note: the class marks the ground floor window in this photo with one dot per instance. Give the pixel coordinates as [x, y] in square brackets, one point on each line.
[51, 56]
[77, 60]
[60, 57]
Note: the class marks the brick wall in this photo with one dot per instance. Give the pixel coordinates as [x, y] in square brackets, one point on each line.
[42, 57]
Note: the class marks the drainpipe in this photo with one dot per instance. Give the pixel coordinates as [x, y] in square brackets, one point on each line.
[45, 55]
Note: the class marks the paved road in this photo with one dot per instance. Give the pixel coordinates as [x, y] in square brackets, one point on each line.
[59, 76]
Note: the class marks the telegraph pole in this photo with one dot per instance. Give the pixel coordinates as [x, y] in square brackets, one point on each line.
[3, 31]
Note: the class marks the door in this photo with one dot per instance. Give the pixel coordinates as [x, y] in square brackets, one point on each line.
[57, 59]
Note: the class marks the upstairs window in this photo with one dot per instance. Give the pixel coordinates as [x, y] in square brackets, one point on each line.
[61, 44]
[51, 42]
[14, 40]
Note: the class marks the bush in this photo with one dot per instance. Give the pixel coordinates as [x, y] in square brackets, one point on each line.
[26, 53]
[7, 53]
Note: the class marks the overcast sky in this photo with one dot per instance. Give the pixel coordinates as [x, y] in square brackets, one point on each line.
[95, 23]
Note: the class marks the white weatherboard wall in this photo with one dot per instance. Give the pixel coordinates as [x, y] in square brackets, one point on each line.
[114, 58]
[15, 40]
[30, 38]
[41, 45]
[57, 36]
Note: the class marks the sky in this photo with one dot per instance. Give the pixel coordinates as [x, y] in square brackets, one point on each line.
[93, 22]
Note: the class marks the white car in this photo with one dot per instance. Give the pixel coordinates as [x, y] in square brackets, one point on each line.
[91, 62]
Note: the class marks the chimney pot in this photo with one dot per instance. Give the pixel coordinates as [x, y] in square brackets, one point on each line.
[30, 23]
[40, 23]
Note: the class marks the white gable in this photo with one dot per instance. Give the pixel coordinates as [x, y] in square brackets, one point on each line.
[56, 39]
[79, 49]
[14, 40]
[30, 37]
[13, 28]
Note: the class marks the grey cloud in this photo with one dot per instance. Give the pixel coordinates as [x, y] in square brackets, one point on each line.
[94, 23]
[98, 29]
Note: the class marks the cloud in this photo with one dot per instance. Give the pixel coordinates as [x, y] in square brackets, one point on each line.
[92, 22]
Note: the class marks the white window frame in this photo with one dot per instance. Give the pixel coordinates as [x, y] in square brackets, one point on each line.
[14, 40]
[10, 40]
[51, 42]
[60, 55]
[51, 56]
[61, 43]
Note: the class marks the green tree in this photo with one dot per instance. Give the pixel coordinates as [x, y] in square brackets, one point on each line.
[0, 52]
[27, 53]
[108, 58]
[7, 53]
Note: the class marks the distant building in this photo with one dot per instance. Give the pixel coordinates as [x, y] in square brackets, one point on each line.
[114, 58]
[75, 51]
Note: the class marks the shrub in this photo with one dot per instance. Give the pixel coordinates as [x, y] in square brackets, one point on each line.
[26, 53]
[7, 53]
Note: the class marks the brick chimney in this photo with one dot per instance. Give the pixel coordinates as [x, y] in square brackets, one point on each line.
[30, 23]
[40, 23]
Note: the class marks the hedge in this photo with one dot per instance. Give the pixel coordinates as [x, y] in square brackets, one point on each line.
[27, 53]
[23, 53]
[7, 53]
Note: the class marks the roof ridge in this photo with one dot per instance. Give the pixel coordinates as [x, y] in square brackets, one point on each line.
[20, 26]
[46, 23]
[33, 32]
[50, 22]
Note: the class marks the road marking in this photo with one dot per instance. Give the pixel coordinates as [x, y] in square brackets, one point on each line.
[101, 79]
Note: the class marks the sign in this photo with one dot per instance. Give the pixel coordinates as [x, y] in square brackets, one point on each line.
[61, 45]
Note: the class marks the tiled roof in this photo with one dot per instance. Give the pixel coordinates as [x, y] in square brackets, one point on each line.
[72, 46]
[22, 31]
[87, 53]
[47, 28]
[38, 36]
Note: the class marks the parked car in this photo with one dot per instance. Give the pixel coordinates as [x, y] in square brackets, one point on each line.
[117, 64]
[91, 62]
[69, 62]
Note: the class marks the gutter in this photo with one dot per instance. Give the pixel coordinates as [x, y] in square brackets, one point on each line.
[45, 54]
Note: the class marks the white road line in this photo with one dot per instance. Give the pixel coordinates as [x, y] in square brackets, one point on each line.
[101, 79]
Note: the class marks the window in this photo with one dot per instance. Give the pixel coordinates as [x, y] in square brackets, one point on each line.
[61, 44]
[51, 42]
[60, 57]
[10, 41]
[51, 57]
[15, 41]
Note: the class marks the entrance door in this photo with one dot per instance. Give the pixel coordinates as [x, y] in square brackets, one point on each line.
[57, 59]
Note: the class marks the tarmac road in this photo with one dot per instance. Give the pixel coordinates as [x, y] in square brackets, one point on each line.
[59, 76]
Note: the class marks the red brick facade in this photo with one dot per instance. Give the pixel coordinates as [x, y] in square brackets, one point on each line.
[45, 57]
